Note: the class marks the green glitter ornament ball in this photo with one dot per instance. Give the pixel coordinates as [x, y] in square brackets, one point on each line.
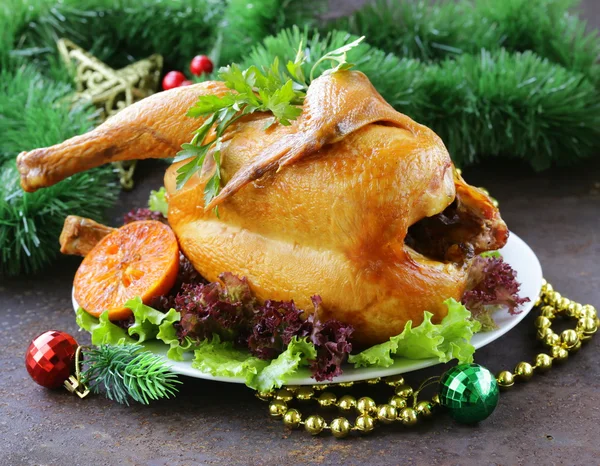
[470, 392]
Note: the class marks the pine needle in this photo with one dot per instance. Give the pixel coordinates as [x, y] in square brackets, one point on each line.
[246, 23]
[492, 104]
[123, 31]
[511, 78]
[433, 32]
[33, 114]
[122, 372]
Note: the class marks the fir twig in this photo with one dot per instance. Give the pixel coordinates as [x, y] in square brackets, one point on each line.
[433, 32]
[123, 31]
[246, 23]
[32, 115]
[122, 372]
[501, 103]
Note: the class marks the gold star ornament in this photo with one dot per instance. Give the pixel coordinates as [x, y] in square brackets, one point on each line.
[111, 90]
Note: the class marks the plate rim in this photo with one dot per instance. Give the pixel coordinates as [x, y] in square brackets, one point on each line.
[353, 375]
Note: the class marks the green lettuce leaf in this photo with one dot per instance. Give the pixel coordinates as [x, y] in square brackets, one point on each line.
[149, 324]
[168, 334]
[158, 201]
[297, 354]
[495, 254]
[451, 339]
[147, 320]
[485, 318]
[103, 331]
[220, 358]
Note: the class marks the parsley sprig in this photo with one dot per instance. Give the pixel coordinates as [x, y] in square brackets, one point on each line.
[276, 89]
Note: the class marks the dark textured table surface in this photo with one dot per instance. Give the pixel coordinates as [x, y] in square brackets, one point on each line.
[554, 419]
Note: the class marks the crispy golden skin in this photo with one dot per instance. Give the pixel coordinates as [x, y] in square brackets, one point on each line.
[319, 207]
[79, 235]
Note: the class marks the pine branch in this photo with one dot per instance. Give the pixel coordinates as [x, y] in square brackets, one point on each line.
[34, 112]
[122, 31]
[33, 115]
[123, 371]
[511, 105]
[492, 104]
[417, 29]
[247, 23]
[30, 224]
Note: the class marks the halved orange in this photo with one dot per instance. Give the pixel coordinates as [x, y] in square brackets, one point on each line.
[139, 259]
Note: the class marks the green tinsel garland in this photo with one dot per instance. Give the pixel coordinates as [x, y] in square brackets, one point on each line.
[515, 78]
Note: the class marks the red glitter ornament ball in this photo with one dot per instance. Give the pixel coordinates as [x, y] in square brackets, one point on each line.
[50, 358]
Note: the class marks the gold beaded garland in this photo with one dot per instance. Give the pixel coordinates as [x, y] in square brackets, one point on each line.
[364, 424]
[569, 338]
[340, 427]
[543, 361]
[314, 424]
[542, 323]
[552, 339]
[327, 399]
[277, 408]
[424, 409]
[398, 402]
[547, 312]
[564, 303]
[284, 394]
[264, 396]
[575, 348]
[408, 416]
[366, 405]
[394, 380]
[558, 353]
[386, 413]
[292, 418]
[588, 311]
[405, 391]
[347, 403]
[506, 379]
[523, 371]
[587, 326]
[304, 393]
[404, 406]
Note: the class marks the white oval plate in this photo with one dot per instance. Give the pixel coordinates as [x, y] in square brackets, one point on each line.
[516, 252]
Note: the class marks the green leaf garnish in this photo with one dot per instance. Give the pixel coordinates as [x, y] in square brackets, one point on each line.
[274, 89]
[158, 201]
[337, 56]
[450, 339]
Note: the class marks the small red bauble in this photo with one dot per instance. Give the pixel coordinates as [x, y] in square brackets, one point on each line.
[201, 64]
[50, 358]
[172, 80]
[187, 82]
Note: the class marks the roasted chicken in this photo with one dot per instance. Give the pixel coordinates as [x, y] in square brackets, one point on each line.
[354, 201]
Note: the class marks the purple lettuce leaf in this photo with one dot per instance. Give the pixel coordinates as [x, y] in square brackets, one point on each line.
[492, 283]
[136, 215]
